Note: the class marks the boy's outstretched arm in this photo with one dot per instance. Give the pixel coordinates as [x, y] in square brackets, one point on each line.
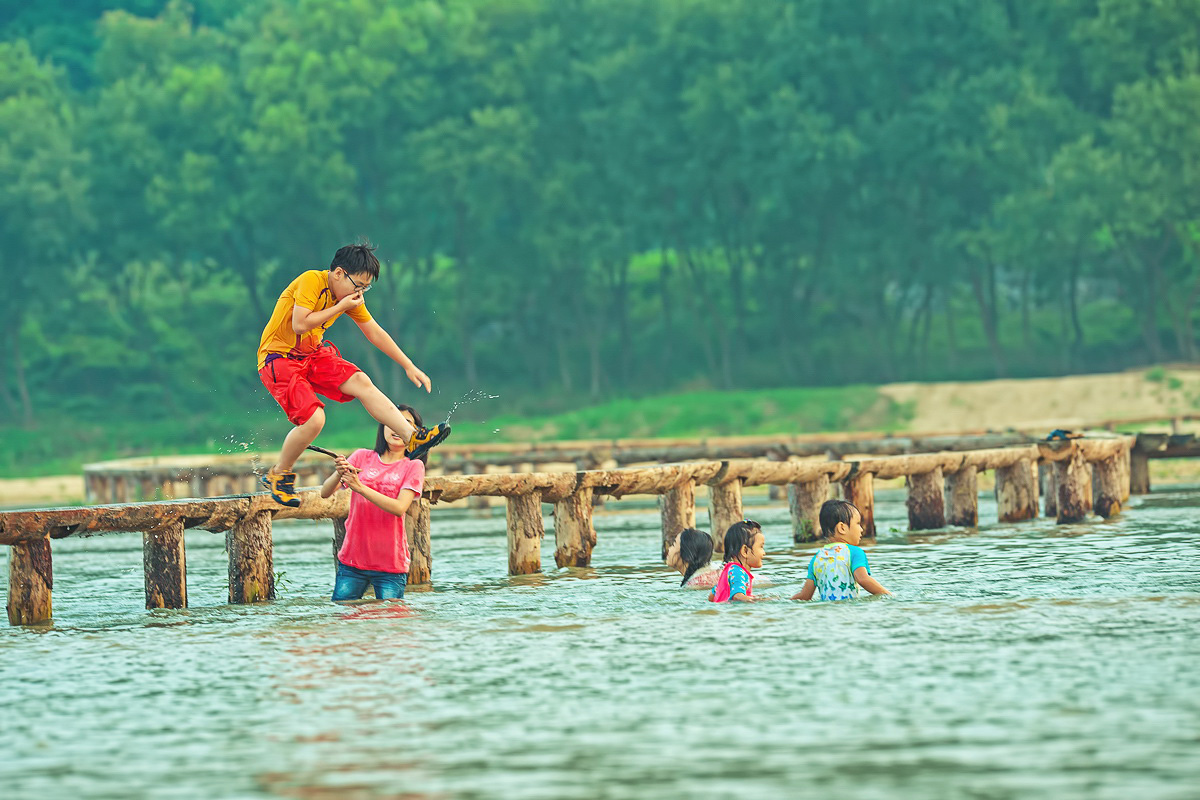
[806, 591]
[383, 340]
[865, 580]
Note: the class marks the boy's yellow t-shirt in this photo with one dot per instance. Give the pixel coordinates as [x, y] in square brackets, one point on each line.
[311, 291]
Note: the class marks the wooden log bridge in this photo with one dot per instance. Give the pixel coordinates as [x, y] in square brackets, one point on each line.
[942, 489]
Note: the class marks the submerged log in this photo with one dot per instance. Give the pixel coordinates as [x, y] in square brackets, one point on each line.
[860, 490]
[962, 498]
[251, 565]
[1107, 476]
[574, 534]
[724, 509]
[165, 565]
[525, 533]
[1139, 472]
[678, 509]
[1016, 492]
[1074, 481]
[30, 581]
[804, 502]
[416, 530]
[926, 501]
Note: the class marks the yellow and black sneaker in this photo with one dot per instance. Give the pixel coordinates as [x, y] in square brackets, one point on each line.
[282, 486]
[423, 439]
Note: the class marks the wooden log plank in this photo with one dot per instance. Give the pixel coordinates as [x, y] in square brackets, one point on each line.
[525, 533]
[30, 581]
[926, 501]
[804, 503]
[1107, 482]
[860, 490]
[420, 548]
[34, 524]
[1074, 481]
[574, 534]
[251, 559]
[164, 563]
[1017, 492]
[962, 498]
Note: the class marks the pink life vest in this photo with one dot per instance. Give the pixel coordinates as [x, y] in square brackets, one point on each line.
[720, 591]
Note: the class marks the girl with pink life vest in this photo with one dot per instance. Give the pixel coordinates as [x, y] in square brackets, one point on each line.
[745, 546]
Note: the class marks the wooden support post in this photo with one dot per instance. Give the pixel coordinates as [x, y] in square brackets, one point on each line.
[678, 509]
[724, 509]
[339, 536]
[165, 565]
[926, 501]
[420, 550]
[1139, 472]
[860, 490]
[574, 535]
[804, 501]
[962, 497]
[251, 564]
[1017, 492]
[525, 533]
[1124, 477]
[30, 579]
[196, 486]
[1050, 492]
[120, 493]
[1074, 481]
[1108, 487]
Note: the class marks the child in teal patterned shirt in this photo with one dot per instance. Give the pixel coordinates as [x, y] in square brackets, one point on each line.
[840, 567]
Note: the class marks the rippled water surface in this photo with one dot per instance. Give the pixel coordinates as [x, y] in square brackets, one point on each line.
[1017, 661]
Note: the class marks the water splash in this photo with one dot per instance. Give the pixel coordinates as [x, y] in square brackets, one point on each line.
[471, 397]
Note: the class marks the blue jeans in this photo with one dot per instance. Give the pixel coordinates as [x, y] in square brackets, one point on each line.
[351, 582]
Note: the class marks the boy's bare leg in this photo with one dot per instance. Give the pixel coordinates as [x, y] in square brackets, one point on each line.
[377, 404]
[297, 439]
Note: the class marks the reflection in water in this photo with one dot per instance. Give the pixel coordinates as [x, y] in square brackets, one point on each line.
[1014, 661]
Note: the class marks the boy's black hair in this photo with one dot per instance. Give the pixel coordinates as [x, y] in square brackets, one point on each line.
[740, 534]
[695, 549]
[357, 259]
[833, 512]
[381, 445]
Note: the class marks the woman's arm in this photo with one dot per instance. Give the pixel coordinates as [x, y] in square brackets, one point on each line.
[865, 580]
[331, 484]
[806, 591]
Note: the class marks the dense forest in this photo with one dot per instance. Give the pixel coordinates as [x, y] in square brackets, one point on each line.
[582, 199]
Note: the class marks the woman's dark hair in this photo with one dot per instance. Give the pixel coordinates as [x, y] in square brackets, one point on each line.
[381, 445]
[833, 512]
[356, 259]
[740, 534]
[695, 550]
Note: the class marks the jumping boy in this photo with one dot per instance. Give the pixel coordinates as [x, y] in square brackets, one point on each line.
[295, 364]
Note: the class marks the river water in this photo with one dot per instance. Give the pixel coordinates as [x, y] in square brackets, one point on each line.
[1018, 661]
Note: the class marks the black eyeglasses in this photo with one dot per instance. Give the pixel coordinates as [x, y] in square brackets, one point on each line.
[358, 286]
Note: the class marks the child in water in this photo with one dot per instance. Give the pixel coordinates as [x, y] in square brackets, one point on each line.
[691, 553]
[840, 567]
[744, 549]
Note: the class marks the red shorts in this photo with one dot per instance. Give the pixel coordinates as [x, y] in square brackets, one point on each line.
[295, 382]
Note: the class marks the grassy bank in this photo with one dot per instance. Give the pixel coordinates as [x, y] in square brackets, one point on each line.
[62, 447]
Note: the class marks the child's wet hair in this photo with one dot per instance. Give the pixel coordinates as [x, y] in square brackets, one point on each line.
[357, 259]
[740, 534]
[833, 512]
[695, 550]
[381, 444]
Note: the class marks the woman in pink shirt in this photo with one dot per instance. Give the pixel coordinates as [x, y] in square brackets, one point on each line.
[383, 484]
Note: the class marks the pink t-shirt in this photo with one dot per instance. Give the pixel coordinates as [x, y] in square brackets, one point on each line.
[375, 539]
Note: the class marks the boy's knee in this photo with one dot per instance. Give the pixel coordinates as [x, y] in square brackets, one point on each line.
[316, 422]
[357, 384]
